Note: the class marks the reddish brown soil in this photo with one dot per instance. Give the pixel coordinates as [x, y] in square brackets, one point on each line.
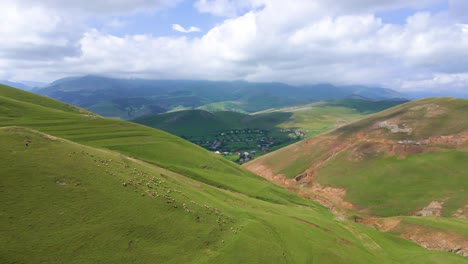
[382, 224]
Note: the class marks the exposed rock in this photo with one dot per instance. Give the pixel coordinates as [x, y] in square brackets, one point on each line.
[433, 209]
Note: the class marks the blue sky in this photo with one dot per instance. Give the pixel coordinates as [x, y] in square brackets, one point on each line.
[414, 45]
[159, 23]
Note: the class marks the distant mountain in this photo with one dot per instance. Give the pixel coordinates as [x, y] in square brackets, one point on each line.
[24, 85]
[18, 85]
[131, 98]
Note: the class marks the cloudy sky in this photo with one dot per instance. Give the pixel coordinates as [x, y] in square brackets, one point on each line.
[400, 44]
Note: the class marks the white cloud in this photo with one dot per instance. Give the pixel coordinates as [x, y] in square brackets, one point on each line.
[36, 33]
[181, 29]
[438, 83]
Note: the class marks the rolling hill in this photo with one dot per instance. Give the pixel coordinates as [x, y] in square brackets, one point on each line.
[424, 138]
[132, 98]
[79, 188]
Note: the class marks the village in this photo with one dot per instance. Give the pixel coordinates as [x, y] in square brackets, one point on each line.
[242, 145]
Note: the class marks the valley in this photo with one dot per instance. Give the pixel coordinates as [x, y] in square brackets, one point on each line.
[242, 137]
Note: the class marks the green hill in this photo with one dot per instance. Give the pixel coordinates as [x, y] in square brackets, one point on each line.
[391, 163]
[135, 140]
[194, 122]
[78, 188]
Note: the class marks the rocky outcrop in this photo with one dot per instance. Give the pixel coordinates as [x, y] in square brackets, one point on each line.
[395, 128]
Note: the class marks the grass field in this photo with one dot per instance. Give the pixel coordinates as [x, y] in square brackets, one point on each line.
[71, 194]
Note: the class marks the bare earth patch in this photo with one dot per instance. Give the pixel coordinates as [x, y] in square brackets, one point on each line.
[382, 224]
[462, 212]
[330, 197]
[437, 240]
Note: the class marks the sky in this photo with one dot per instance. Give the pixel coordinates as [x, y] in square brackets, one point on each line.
[417, 45]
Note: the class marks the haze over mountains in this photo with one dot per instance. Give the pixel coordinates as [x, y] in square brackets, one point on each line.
[131, 98]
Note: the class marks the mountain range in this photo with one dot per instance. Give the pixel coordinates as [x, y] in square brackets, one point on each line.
[132, 98]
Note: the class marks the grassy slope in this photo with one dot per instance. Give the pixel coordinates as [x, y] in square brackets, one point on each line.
[204, 123]
[386, 184]
[194, 122]
[66, 202]
[321, 117]
[394, 186]
[27, 97]
[142, 142]
[450, 120]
